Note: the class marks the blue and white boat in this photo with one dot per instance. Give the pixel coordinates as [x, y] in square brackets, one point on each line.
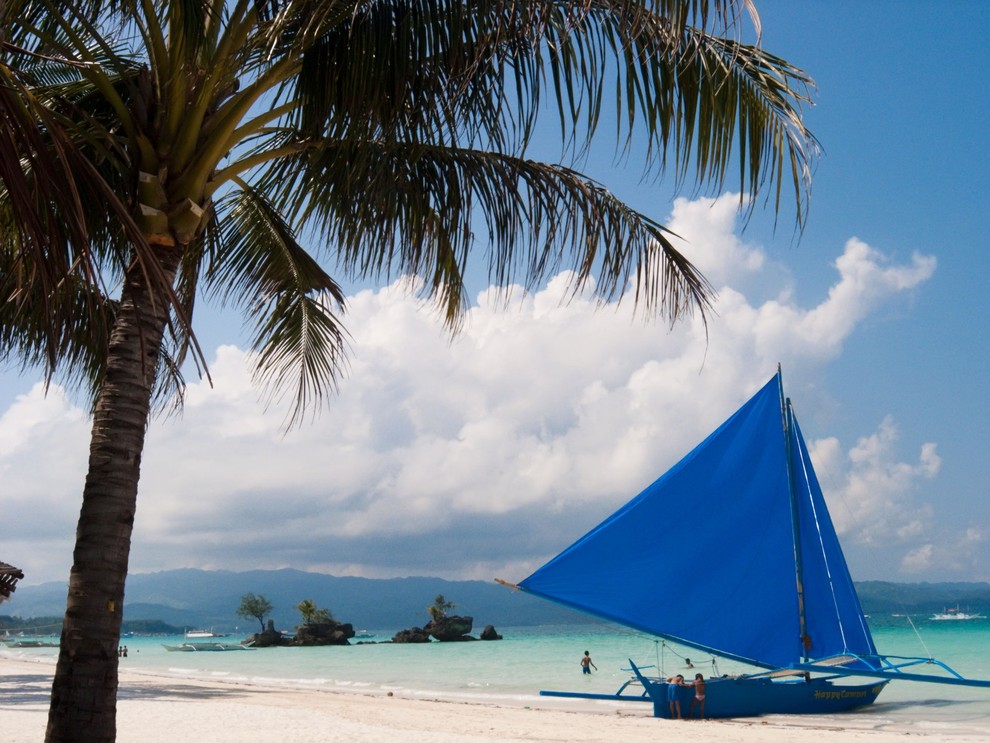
[733, 552]
[201, 634]
[954, 614]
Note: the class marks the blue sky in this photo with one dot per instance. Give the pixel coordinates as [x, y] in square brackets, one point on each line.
[485, 455]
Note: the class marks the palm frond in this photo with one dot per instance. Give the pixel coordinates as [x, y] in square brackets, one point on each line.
[398, 209]
[259, 265]
[702, 98]
[45, 328]
[476, 74]
[400, 130]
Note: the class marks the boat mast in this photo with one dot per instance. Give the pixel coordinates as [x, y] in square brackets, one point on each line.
[787, 416]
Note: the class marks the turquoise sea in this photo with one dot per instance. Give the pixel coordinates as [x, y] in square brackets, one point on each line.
[512, 671]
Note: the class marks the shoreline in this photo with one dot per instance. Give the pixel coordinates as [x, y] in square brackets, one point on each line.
[161, 709]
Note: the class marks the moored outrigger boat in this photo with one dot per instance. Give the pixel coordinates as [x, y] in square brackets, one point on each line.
[743, 696]
[766, 583]
[53, 643]
[206, 647]
[955, 614]
[200, 634]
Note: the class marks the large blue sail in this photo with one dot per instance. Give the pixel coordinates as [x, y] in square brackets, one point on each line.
[706, 554]
[834, 617]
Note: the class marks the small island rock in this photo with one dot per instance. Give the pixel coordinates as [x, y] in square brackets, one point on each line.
[323, 633]
[309, 635]
[489, 633]
[450, 629]
[414, 634]
[268, 637]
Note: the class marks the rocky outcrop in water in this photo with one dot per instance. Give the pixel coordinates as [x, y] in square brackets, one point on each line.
[411, 635]
[450, 629]
[309, 635]
[268, 637]
[489, 633]
[323, 633]
[445, 629]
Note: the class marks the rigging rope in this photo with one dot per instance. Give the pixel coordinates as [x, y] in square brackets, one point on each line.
[920, 639]
[690, 664]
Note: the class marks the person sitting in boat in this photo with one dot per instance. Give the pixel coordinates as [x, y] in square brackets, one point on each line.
[699, 696]
[673, 698]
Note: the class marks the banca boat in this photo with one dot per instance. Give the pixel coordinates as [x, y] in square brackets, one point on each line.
[201, 634]
[954, 614]
[732, 551]
[205, 647]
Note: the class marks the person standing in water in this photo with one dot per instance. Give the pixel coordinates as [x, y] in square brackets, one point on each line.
[586, 664]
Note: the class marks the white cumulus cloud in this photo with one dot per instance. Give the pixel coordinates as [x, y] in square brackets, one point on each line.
[482, 454]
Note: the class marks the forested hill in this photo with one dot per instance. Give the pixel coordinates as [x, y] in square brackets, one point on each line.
[199, 598]
[880, 597]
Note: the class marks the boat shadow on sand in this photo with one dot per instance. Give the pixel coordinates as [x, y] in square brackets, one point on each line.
[887, 707]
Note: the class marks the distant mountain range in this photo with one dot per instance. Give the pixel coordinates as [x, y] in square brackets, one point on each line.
[202, 598]
[205, 598]
[880, 597]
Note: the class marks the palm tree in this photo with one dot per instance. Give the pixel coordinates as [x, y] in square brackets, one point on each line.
[307, 608]
[313, 614]
[439, 608]
[154, 153]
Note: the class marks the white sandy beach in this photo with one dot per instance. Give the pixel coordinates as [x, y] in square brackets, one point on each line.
[155, 709]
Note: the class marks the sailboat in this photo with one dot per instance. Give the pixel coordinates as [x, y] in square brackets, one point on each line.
[732, 551]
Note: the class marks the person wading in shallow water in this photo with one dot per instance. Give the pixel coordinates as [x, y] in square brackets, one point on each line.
[586, 664]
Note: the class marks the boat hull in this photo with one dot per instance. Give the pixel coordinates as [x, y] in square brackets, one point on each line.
[750, 697]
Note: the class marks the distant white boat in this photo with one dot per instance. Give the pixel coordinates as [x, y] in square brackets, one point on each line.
[199, 634]
[954, 613]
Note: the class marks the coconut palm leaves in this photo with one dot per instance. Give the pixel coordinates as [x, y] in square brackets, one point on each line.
[257, 264]
[397, 133]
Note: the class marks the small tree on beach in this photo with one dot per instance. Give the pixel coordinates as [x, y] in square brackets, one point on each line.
[439, 608]
[254, 607]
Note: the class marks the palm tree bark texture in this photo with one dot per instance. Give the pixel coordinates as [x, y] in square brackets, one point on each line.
[86, 674]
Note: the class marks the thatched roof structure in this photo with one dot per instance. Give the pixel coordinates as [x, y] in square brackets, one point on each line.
[9, 575]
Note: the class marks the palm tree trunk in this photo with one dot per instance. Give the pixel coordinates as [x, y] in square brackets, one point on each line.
[84, 692]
